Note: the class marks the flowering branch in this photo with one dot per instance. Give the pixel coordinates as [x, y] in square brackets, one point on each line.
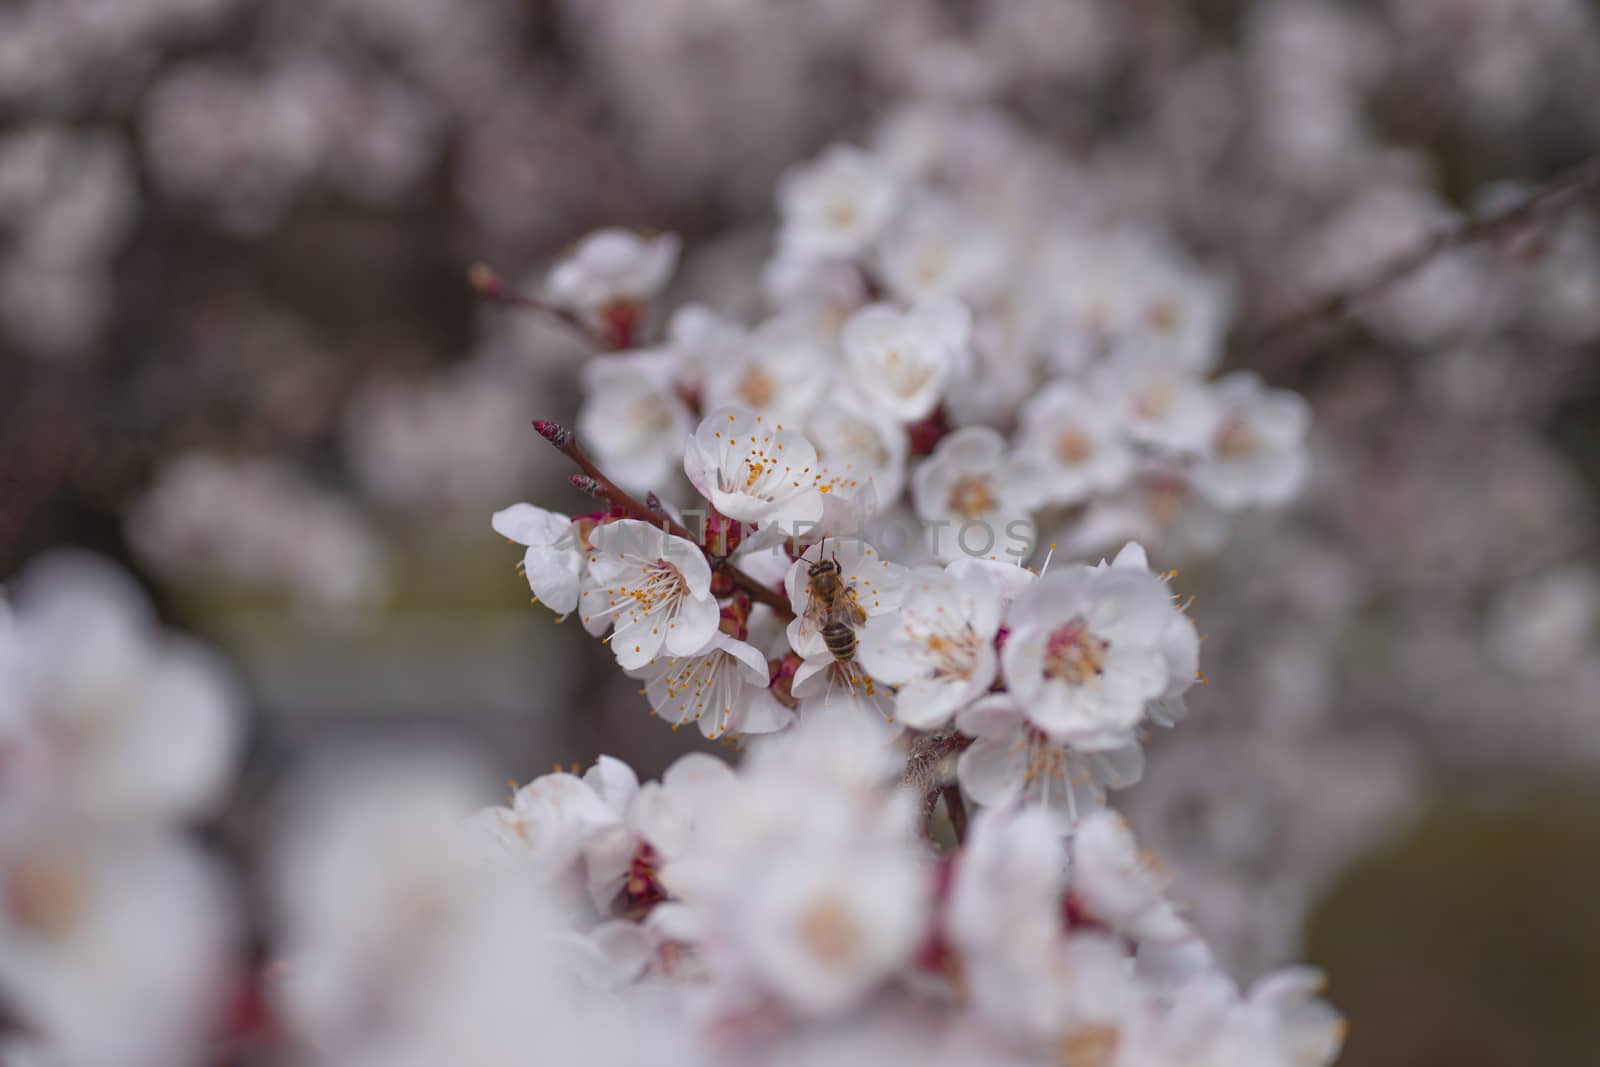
[1554, 195]
[757, 591]
[487, 283]
[594, 482]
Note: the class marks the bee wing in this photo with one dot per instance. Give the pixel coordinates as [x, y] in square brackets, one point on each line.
[815, 617]
[853, 611]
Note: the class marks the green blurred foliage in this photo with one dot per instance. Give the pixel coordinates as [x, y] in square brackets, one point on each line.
[1474, 940]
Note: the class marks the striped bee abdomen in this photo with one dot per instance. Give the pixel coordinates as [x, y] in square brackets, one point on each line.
[840, 637]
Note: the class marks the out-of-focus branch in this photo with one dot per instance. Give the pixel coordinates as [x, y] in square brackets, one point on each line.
[487, 283]
[594, 482]
[927, 752]
[1281, 336]
[924, 774]
[955, 806]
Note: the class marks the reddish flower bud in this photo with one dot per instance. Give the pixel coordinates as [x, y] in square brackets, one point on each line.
[619, 323]
[1000, 638]
[1073, 915]
[736, 616]
[584, 483]
[782, 671]
[483, 278]
[722, 534]
[553, 432]
[925, 435]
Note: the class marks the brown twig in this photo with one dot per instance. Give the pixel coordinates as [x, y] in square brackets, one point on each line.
[768, 596]
[594, 482]
[486, 281]
[955, 806]
[928, 751]
[12, 1024]
[1332, 308]
[924, 773]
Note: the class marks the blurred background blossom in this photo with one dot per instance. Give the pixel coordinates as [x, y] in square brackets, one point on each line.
[238, 353]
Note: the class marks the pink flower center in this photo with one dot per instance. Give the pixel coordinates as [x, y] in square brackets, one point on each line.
[1164, 316]
[756, 388]
[1154, 401]
[970, 496]
[840, 212]
[47, 894]
[1074, 446]
[830, 932]
[1074, 654]
[1235, 439]
[1094, 1045]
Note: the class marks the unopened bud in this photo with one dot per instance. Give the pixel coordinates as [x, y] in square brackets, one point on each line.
[586, 484]
[736, 617]
[926, 434]
[722, 534]
[553, 432]
[483, 278]
[781, 672]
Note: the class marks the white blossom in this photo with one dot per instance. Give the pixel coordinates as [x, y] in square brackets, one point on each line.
[1128, 290]
[653, 586]
[823, 685]
[937, 648]
[612, 266]
[779, 371]
[389, 909]
[826, 925]
[977, 496]
[1005, 916]
[257, 523]
[116, 722]
[1258, 451]
[871, 585]
[569, 831]
[853, 434]
[820, 292]
[722, 689]
[1012, 762]
[669, 813]
[814, 904]
[633, 419]
[936, 251]
[835, 206]
[1089, 648]
[700, 339]
[1280, 1020]
[554, 561]
[1180, 643]
[901, 360]
[1121, 886]
[114, 947]
[754, 470]
[1079, 444]
[1163, 406]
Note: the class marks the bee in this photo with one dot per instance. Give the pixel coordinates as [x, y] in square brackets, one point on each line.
[833, 610]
